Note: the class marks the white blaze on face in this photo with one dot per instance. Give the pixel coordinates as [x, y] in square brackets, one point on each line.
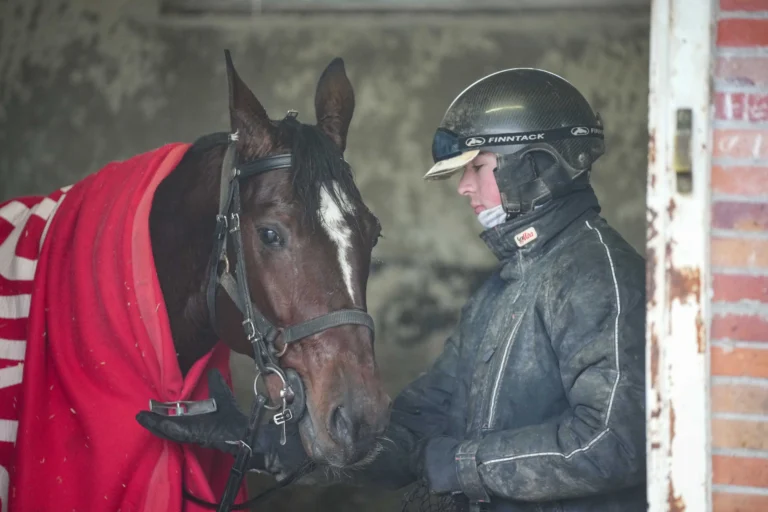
[338, 231]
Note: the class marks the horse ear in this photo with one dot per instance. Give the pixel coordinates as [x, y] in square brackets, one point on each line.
[247, 115]
[335, 103]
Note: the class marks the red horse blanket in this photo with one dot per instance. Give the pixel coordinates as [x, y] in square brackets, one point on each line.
[84, 344]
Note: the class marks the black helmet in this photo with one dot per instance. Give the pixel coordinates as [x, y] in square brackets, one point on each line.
[543, 131]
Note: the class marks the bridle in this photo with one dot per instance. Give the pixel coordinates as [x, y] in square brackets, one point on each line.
[260, 332]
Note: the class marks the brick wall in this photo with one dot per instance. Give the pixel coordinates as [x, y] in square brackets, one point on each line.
[739, 259]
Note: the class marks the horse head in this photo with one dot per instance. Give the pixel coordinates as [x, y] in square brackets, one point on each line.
[305, 237]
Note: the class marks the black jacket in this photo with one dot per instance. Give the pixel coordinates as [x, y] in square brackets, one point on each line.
[543, 378]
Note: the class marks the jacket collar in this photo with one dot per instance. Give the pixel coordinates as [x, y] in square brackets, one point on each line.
[528, 236]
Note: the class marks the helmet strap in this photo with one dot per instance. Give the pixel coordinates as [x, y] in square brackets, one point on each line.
[527, 180]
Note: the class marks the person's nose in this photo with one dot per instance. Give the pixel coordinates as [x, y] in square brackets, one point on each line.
[466, 184]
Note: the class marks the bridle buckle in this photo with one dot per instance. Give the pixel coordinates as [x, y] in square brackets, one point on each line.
[283, 417]
[235, 223]
[221, 226]
[250, 330]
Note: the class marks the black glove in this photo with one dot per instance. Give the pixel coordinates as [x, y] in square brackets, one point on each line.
[221, 429]
[438, 465]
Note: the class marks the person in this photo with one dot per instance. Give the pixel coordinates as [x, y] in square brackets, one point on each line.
[537, 401]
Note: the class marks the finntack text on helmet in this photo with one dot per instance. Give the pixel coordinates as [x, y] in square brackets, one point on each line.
[516, 138]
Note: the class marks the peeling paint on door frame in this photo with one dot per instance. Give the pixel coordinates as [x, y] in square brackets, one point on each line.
[677, 268]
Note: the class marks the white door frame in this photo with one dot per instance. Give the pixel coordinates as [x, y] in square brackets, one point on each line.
[678, 213]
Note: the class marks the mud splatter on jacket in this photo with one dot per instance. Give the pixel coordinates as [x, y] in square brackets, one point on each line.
[543, 378]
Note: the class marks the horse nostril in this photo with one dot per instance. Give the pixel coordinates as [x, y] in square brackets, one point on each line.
[340, 426]
[353, 435]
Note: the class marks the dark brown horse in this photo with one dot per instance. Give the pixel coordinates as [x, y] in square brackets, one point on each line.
[307, 237]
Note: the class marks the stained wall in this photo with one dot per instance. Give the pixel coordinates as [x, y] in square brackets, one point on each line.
[84, 82]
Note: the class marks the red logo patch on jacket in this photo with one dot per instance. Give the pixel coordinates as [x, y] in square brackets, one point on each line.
[525, 237]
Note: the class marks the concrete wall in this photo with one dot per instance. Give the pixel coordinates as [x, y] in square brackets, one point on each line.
[86, 82]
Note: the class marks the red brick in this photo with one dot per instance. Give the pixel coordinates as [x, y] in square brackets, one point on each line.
[757, 107]
[739, 327]
[742, 32]
[739, 362]
[727, 502]
[740, 398]
[743, 70]
[729, 106]
[733, 288]
[739, 252]
[747, 471]
[748, 181]
[744, 5]
[751, 435]
[741, 144]
[740, 106]
[740, 216]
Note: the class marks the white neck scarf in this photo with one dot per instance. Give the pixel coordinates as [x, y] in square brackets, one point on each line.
[492, 217]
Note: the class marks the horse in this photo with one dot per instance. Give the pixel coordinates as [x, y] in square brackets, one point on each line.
[272, 202]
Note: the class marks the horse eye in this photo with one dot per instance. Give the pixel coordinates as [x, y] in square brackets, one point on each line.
[270, 237]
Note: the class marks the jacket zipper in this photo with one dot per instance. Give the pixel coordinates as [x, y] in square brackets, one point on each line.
[505, 357]
[502, 367]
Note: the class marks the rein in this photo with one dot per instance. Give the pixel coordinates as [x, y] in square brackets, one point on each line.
[260, 332]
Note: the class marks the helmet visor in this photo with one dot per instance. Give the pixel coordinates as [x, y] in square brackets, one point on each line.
[445, 145]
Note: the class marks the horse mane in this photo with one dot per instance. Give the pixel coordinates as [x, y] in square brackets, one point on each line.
[319, 163]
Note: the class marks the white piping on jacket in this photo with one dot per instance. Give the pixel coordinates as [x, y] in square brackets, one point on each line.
[605, 430]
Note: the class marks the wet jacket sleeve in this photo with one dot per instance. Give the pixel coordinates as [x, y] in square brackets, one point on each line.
[419, 413]
[596, 327]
